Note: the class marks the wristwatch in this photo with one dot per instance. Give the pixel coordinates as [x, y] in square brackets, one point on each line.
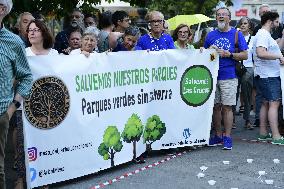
[16, 103]
[231, 55]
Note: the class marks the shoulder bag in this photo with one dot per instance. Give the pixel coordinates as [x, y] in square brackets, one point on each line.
[240, 68]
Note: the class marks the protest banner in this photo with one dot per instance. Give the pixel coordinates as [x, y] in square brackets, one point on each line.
[89, 114]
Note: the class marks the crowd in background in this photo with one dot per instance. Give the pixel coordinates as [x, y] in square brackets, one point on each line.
[258, 48]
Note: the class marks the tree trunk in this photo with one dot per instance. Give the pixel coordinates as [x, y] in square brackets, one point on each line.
[134, 149]
[111, 158]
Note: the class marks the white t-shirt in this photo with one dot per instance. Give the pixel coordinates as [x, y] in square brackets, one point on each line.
[29, 52]
[75, 51]
[248, 63]
[266, 68]
[78, 51]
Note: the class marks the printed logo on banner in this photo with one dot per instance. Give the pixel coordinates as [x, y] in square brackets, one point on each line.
[48, 104]
[196, 85]
[32, 174]
[32, 152]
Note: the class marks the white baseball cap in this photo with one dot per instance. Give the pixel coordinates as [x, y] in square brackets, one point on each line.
[8, 4]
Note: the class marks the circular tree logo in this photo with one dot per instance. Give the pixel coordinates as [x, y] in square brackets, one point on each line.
[196, 85]
[48, 103]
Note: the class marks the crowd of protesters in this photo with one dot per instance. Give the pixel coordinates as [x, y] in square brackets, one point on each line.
[258, 48]
[260, 83]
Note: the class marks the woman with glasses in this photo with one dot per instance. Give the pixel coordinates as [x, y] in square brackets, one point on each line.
[181, 35]
[157, 39]
[40, 39]
[40, 42]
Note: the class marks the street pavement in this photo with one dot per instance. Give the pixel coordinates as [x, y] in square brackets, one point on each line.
[180, 171]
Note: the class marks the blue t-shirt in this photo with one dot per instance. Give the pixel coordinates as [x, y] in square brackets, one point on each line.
[226, 41]
[119, 47]
[148, 42]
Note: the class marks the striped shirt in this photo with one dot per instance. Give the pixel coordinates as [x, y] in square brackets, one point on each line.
[13, 65]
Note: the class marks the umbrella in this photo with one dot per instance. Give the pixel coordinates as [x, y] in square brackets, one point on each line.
[187, 19]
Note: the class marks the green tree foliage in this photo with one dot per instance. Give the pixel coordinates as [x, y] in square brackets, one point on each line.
[57, 8]
[60, 8]
[154, 130]
[173, 7]
[111, 144]
[132, 131]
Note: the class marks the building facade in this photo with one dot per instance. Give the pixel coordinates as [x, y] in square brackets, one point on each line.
[250, 9]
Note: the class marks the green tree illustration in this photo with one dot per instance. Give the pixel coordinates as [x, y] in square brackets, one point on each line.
[132, 132]
[111, 144]
[154, 130]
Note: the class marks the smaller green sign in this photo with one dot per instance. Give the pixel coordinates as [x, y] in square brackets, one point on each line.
[196, 85]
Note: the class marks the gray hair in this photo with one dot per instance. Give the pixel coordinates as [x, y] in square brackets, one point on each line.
[89, 34]
[150, 14]
[21, 16]
[132, 30]
[226, 8]
[8, 4]
[263, 5]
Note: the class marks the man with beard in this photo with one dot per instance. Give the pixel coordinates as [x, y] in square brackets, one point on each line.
[267, 58]
[223, 40]
[76, 24]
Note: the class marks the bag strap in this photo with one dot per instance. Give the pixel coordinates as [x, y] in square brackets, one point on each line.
[249, 39]
[236, 41]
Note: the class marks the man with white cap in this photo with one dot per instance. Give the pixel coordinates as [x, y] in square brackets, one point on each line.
[13, 65]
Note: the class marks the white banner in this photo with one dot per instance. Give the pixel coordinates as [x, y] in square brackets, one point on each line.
[89, 114]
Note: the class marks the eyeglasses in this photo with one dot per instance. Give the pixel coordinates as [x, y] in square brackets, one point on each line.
[156, 21]
[183, 32]
[125, 20]
[36, 30]
[222, 14]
